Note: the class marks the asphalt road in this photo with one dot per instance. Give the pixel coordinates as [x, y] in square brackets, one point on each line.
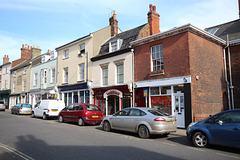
[22, 137]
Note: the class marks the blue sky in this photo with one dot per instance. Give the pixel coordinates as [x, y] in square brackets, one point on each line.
[52, 23]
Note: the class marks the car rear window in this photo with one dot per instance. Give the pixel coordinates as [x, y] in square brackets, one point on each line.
[92, 108]
[1, 102]
[26, 105]
[158, 113]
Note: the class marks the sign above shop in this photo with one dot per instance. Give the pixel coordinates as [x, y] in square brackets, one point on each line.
[113, 92]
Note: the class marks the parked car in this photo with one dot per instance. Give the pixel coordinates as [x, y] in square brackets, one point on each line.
[21, 109]
[81, 113]
[220, 129]
[144, 121]
[47, 108]
[2, 105]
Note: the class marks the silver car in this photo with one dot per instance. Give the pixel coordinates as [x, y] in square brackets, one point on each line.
[2, 105]
[144, 121]
[21, 109]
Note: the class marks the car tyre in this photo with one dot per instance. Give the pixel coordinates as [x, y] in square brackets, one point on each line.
[60, 119]
[11, 111]
[80, 122]
[200, 140]
[143, 132]
[32, 115]
[44, 116]
[106, 126]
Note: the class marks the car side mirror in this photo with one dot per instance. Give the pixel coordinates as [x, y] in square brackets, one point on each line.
[220, 122]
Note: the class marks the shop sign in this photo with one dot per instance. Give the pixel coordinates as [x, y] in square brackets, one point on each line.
[113, 92]
[161, 100]
[145, 93]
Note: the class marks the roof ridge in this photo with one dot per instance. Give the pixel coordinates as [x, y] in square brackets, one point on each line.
[222, 24]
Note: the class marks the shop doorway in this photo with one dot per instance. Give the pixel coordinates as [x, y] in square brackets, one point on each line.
[113, 104]
[179, 110]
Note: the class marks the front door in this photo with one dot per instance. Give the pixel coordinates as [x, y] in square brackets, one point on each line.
[179, 110]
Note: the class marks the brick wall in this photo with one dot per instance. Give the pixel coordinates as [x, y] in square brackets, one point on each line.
[206, 62]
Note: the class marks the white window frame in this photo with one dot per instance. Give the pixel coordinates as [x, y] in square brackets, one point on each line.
[25, 70]
[119, 74]
[157, 57]
[117, 45]
[65, 75]
[81, 68]
[14, 87]
[44, 76]
[66, 53]
[82, 48]
[105, 76]
[35, 77]
[15, 73]
[24, 85]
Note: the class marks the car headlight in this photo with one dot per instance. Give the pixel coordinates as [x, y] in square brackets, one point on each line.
[190, 125]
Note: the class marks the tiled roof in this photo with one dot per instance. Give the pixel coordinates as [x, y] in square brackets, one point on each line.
[232, 29]
[127, 37]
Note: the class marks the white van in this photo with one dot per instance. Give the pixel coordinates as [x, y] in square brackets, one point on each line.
[47, 108]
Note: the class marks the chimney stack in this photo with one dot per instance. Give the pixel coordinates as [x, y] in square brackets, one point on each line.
[35, 51]
[114, 24]
[26, 52]
[5, 59]
[153, 20]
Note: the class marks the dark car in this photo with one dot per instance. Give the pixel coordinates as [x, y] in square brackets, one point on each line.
[81, 113]
[21, 109]
[220, 129]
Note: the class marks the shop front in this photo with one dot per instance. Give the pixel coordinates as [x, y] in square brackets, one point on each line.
[4, 95]
[76, 93]
[112, 99]
[167, 95]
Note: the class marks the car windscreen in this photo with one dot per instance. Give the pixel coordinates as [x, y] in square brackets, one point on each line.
[92, 108]
[158, 113]
[26, 105]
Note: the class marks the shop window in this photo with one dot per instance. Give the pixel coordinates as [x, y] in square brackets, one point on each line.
[166, 90]
[87, 96]
[162, 103]
[69, 98]
[154, 91]
[65, 98]
[81, 96]
[179, 89]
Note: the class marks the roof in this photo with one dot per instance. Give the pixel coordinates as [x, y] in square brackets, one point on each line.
[178, 30]
[5, 64]
[232, 29]
[126, 37]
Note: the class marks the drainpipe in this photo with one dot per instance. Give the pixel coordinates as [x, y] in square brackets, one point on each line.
[226, 79]
[133, 84]
[230, 73]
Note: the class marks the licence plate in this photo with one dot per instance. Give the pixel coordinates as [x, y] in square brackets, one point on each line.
[54, 110]
[170, 122]
[94, 116]
[27, 112]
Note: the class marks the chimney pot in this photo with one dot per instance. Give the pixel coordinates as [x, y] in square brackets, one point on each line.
[150, 7]
[154, 8]
[22, 45]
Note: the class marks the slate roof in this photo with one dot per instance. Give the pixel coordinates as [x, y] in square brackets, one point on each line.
[231, 28]
[127, 37]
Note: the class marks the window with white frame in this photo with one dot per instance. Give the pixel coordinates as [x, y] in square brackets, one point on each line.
[52, 75]
[35, 76]
[65, 75]
[115, 45]
[82, 48]
[81, 68]
[157, 57]
[24, 85]
[52, 54]
[66, 54]
[6, 84]
[120, 74]
[25, 70]
[14, 87]
[43, 76]
[105, 76]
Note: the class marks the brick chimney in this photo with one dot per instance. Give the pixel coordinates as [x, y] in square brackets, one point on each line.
[5, 59]
[36, 51]
[114, 24]
[26, 52]
[153, 20]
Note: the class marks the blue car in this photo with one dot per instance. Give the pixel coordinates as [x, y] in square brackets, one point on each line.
[221, 129]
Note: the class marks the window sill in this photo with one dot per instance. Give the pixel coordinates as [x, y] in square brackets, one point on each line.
[157, 73]
[80, 81]
[65, 83]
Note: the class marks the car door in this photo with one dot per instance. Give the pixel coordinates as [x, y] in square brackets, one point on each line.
[37, 109]
[77, 112]
[224, 129]
[132, 120]
[117, 119]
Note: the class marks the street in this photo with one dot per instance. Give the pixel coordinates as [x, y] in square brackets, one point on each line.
[23, 137]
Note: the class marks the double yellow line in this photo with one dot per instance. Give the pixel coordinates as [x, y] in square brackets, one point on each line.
[14, 151]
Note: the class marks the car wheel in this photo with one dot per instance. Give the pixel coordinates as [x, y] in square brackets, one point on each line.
[11, 111]
[106, 126]
[17, 112]
[200, 139]
[44, 116]
[143, 132]
[165, 135]
[60, 119]
[80, 122]
[32, 115]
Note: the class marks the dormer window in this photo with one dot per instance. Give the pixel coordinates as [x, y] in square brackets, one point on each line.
[115, 45]
[82, 48]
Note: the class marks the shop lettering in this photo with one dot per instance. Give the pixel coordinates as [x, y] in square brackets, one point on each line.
[161, 100]
[113, 93]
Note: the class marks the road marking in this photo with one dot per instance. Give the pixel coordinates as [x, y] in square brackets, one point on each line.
[13, 150]
[196, 149]
[225, 155]
[170, 144]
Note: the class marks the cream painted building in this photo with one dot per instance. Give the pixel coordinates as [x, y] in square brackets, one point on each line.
[74, 67]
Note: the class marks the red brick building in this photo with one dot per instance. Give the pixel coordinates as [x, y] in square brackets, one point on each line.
[180, 71]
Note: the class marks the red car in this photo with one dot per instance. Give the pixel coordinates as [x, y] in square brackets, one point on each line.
[81, 113]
